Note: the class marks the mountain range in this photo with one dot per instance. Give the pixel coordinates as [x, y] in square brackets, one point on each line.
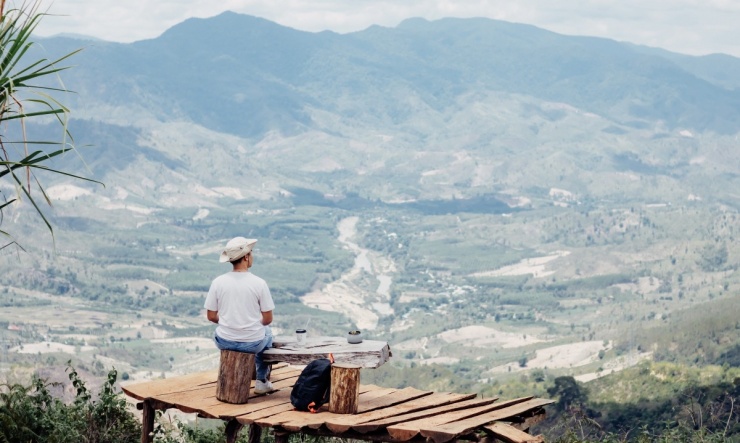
[452, 108]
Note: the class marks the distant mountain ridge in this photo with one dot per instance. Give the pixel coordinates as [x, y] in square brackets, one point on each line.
[209, 63]
[447, 108]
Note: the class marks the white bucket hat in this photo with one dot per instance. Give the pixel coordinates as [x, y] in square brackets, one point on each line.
[237, 248]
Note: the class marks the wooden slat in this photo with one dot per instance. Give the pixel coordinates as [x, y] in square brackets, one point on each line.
[280, 402]
[445, 432]
[153, 388]
[414, 409]
[510, 434]
[202, 398]
[265, 414]
[376, 392]
[367, 389]
[183, 383]
[394, 398]
[284, 373]
[531, 420]
[283, 368]
[344, 423]
[315, 421]
[186, 396]
[204, 401]
[407, 430]
[308, 420]
[284, 383]
[283, 417]
[226, 411]
[300, 419]
[272, 405]
[256, 406]
[191, 401]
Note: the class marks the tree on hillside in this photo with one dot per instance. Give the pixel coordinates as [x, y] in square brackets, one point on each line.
[569, 392]
[713, 257]
[25, 94]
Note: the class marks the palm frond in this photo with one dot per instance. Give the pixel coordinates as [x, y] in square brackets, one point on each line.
[18, 73]
[33, 202]
[7, 203]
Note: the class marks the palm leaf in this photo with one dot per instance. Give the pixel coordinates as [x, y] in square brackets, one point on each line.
[18, 73]
[33, 202]
[6, 203]
[34, 114]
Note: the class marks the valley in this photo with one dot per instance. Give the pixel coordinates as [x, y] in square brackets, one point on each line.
[499, 220]
[444, 290]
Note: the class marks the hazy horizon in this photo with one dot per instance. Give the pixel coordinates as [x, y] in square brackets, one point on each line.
[686, 26]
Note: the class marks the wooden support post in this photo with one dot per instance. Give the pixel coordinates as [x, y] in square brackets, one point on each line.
[232, 430]
[255, 433]
[345, 388]
[147, 422]
[282, 437]
[234, 376]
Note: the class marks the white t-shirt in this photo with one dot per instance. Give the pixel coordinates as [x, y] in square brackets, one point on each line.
[240, 298]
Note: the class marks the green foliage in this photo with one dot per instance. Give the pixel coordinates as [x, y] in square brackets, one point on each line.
[710, 408]
[179, 432]
[18, 75]
[694, 336]
[578, 427]
[713, 257]
[33, 414]
[569, 392]
[730, 357]
[523, 361]
[431, 377]
[592, 283]
[668, 401]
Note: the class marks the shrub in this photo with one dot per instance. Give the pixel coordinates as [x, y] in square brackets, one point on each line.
[32, 414]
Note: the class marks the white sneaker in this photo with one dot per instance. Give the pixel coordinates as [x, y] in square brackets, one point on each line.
[263, 387]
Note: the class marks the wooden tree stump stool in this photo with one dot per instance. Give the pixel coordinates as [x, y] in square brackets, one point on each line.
[345, 388]
[234, 377]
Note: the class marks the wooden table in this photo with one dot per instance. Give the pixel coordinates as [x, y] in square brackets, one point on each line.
[368, 354]
[348, 359]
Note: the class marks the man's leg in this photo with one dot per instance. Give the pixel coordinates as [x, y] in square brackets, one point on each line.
[263, 369]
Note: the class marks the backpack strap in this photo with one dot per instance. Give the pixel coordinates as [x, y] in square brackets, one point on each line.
[327, 394]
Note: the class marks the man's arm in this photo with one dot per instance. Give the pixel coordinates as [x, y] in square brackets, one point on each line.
[212, 316]
[267, 318]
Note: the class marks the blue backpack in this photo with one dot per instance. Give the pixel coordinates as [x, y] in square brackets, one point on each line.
[312, 388]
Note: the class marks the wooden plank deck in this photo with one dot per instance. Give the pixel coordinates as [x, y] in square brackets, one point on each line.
[385, 414]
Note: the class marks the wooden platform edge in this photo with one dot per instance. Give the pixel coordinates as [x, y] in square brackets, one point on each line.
[482, 421]
[510, 434]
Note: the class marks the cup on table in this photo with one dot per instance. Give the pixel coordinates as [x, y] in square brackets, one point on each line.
[354, 337]
[300, 337]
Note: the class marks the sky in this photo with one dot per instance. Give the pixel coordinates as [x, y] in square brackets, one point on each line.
[695, 27]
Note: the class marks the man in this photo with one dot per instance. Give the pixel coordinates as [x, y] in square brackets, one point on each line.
[241, 304]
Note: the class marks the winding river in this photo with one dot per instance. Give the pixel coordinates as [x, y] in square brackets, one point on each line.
[361, 299]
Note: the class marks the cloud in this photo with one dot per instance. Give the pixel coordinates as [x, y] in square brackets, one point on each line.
[688, 26]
